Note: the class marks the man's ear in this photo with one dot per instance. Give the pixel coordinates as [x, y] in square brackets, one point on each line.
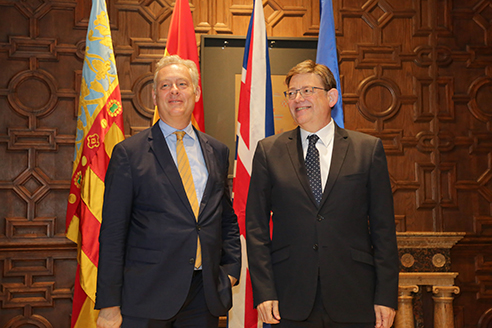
[153, 97]
[332, 96]
[198, 93]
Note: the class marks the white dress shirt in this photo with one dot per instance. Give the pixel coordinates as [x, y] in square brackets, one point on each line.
[193, 151]
[324, 146]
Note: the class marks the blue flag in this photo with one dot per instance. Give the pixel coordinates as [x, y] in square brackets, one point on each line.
[327, 53]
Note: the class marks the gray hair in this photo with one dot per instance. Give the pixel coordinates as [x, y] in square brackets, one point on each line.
[175, 59]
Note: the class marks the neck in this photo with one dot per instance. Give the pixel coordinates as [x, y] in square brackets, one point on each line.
[177, 124]
[312, 128]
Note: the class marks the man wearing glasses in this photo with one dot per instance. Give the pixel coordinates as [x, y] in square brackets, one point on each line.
[332, 257]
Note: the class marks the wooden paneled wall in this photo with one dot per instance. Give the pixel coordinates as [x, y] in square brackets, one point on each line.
[416, 73]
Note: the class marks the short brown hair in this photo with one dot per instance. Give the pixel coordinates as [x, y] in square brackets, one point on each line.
[309, 66]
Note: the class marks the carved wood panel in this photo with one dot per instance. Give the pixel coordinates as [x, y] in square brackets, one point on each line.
[416, 73]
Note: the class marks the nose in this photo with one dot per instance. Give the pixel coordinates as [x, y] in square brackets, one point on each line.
[298, 95]
[174, 88]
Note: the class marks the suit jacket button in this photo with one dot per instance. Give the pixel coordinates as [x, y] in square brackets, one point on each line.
[315, 247]
[320, 218]
[198, 227]
[192, 261]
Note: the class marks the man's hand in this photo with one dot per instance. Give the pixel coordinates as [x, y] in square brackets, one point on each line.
[109, 318]
[268, 312]
[232, 279]
[384, 316]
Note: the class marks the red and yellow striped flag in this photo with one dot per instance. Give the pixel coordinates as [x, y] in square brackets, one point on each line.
[181, 41]
[99, 128]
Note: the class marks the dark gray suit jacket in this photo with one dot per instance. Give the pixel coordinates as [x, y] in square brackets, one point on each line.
[349, 241]
[148, 233]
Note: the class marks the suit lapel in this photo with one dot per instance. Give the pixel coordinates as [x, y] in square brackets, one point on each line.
[159, 147]
[210, 162]
[294, 148]
[340, 146]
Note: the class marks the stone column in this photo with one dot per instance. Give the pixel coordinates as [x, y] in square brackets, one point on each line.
[443, 305]
[404, 315]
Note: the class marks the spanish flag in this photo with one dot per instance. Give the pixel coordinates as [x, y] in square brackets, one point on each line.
[181, 41]
[99, 128]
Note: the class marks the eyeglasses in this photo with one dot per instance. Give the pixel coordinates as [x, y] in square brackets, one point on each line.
[305, 92]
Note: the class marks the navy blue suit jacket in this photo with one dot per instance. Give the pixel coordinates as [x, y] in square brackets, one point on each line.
[148, 233]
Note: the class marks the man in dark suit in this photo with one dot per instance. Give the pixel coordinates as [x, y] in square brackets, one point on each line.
[332, 259]
[169, 240]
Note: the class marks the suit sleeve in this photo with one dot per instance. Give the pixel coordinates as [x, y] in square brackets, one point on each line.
[382, 227]
[116, 218]
[231, 244]
[258, 211]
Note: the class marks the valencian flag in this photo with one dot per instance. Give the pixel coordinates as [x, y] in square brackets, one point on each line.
[99, 128]
[181, 41]
[327, 53]
[255, 122]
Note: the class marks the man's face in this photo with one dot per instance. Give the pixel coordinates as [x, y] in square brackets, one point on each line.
[314, 112]
[175, 95]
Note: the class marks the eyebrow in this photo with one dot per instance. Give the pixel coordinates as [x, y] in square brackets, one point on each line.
[172, 81]
[304, 86]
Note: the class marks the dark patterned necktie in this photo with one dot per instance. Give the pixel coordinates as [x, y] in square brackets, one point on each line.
[313, 169]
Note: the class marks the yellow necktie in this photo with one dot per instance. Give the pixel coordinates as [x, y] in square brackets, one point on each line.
[189, 186]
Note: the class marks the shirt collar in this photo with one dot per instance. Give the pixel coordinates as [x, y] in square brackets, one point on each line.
[168, 130]
[325, 134]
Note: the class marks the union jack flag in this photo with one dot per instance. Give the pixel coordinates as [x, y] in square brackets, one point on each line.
[255, 122]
